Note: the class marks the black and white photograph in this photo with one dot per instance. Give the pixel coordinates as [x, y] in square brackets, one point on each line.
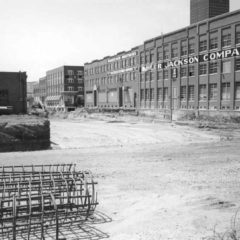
[120, 120]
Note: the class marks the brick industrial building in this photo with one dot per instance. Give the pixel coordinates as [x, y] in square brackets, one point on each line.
[62, 88]
[13, 92]
[193, 68]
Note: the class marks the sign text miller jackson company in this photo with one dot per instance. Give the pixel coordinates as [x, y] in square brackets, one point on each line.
[194, 59]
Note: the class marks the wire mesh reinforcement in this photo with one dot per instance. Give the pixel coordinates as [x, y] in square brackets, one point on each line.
[37, 197]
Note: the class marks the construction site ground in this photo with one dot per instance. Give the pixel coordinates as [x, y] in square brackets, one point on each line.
[155, 180]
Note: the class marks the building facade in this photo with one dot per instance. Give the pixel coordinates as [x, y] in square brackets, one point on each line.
[194, 68]
[204, 9]
[40, 90]
[65, 88]
[13, 92]
[112, 81]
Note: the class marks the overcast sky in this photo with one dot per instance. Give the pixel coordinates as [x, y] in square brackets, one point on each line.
[38, 35]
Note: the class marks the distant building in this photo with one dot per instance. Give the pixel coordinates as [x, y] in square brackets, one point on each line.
[65, 88]
[40, 90]
[204, 9]
[13, 92]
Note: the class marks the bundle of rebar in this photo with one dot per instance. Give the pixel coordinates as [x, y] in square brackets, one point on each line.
[37, 197]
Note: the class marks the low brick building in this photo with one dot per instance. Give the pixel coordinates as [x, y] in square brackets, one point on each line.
[13, 92]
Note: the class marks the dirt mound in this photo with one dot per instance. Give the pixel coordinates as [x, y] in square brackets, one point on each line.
[24, 132]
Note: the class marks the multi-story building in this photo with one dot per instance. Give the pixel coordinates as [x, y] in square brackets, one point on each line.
[65, 87]
[40, 89]
[193, 68]
[203, 9]
[13, 92]
[112, 81]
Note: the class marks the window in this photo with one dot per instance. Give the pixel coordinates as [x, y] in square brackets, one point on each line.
[151, 94]
[165, 94]
[70, 89]
[237, 64]
[226, 67]
[191, 93]
[225, 91]
[141, 58]
[213, 67]
[226, 37]
[213, 40]
[151, 76]
[142, 94]
[147, 76]
[134, 76]
[159, 54]
[191, 71]
[174, 50]
[238, 34]
[142, 77]
[70, 72]
[80, 89]
[191, 46]
[159, 94]
[147, 94]
[159, 75]
[202, 92]
[152, 56]
[202, 68]
[80, 72]
[147, 57]
[70, 80]
[184, 48]
[183, 93]
[237, 90]
[202, 43]
[165, 74]
[183, 72]
[166, 52]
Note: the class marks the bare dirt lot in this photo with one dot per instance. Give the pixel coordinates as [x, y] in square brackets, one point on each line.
[156, 181]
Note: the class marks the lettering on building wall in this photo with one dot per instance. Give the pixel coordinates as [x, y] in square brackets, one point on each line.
[194, 59]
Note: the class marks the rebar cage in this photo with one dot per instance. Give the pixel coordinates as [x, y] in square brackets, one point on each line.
[37, 197]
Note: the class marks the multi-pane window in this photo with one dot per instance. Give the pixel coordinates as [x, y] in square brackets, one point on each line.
[151, 94]
[191, 46]
[213, 44]
[159, 54]
[203, 43]
[225, 91]
[134, 76]
[142, 77]
[191, 93]
[184, 48]
[70, 80]
[202, 92]
[226, 37]
[166, 52]
[183, 93]
[147, 94]
[159, 75]
[70, 72]
[202, 68]
[191, 71]
[183, 72]
[174, 50]
[237, 64]
[80, 89]
[151, 76]
[213, 67]
[237, 90]
[70, 89]
[152, 56]
[226, 67]
[142, 94]
[159, 94]
[165, 74]
[147, 76]
[147, 57]
[238, 34]
[142, 58]
[165, 94]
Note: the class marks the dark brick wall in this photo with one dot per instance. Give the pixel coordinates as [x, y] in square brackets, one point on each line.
[15, 85]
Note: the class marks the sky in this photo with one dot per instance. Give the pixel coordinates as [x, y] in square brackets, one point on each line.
[39, 35]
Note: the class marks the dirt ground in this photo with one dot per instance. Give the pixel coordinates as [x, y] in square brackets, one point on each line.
[155, 181]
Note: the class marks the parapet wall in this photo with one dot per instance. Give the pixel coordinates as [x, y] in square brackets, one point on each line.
[24, 133]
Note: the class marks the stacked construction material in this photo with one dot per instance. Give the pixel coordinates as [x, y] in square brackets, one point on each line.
[35, 198]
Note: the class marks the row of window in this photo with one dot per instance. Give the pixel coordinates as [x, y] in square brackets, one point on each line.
[116, 65]
[188, 46]
[188, 93]
[131, 76]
